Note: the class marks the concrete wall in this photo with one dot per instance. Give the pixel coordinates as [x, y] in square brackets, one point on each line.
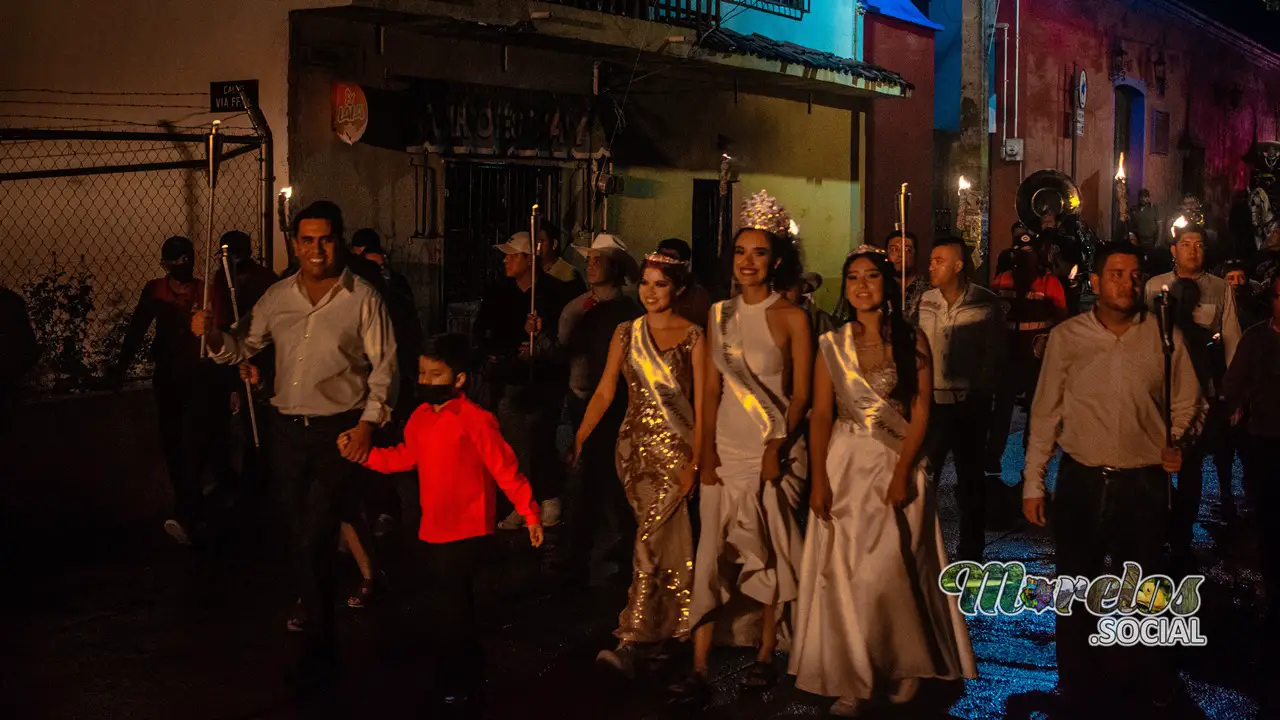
[142, 46]
[1057, 34]
[828, 26]
[900, 131]
[806, 160]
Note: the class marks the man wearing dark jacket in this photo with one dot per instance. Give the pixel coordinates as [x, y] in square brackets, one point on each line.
[192, 416]
[529, 382]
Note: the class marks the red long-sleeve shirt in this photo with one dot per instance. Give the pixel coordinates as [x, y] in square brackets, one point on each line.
[460, 455]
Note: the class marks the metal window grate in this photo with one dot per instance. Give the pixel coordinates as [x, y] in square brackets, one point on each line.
[484, 204]
[794, 9]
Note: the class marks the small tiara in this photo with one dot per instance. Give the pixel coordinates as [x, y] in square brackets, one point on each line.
[660, 259]
[762, 212]
[867, 248]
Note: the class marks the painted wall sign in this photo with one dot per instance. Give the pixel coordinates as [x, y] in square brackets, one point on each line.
[350, 112]
[456, 119]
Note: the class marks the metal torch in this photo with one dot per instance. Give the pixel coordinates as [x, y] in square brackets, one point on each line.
[235, 315]
[534, 260]
[282, 211]
[213, 148]
[904, 199]
[1164, 302]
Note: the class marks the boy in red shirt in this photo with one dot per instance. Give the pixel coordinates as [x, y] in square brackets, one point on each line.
[459, 454]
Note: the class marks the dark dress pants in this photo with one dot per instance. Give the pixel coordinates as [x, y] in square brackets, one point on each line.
[960, 429]
[1096, 513]
[1190, 485]
[192, 408]
[454, 631]
[316, 487]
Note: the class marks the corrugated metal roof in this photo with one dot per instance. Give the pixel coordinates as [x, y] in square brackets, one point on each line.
[728, 41]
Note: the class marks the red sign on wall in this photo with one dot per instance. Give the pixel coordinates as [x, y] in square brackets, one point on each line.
[350, 112]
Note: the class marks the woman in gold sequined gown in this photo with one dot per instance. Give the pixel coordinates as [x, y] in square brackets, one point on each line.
[661, 356]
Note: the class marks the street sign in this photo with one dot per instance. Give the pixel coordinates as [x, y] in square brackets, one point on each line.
[1079, 122]
[224, 96]
[1082, 89]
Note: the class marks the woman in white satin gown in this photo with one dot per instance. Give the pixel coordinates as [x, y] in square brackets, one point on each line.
[753, 462]
[871, 617]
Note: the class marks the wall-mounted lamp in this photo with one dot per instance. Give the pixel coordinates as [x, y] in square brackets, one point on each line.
[1118, 59]
[1160, 69]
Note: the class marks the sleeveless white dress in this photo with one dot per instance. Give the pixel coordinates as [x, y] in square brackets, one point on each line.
[870, 610]
[750, 536]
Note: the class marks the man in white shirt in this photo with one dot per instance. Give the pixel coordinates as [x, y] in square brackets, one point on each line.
[965, 327]
[1101, 399]
[335, 374]
[1204, 307]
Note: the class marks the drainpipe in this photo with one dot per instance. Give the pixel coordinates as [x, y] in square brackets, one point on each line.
[859, 12]
[1004, 91]
[1017, 76]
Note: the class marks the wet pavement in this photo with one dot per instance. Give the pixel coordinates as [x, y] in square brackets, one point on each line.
[126, 625]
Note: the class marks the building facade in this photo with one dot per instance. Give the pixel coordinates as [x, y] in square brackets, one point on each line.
[1185, 97]
[633, 122]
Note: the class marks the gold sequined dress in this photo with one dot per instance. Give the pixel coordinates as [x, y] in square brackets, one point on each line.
[650, 455]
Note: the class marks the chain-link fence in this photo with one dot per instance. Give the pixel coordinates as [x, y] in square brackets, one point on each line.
[82, 217]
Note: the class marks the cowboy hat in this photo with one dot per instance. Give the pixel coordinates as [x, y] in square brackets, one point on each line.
[616, 250]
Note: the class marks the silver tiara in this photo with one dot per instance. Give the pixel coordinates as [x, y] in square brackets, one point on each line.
[867, 249]
[660, 259]
[762, 212]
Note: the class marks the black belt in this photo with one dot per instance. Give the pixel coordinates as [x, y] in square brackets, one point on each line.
[346, 419]
[1109, 475]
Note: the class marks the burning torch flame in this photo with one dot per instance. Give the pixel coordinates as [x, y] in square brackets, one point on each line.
[963, 184]
[287, 192]
[1120, 170]
[1178, 224]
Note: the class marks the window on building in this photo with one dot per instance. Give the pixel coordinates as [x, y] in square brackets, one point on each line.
[1159, 132]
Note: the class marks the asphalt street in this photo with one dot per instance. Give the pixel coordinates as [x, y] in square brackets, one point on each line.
[127, 625]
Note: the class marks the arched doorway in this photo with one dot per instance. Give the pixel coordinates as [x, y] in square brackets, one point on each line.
[1130, 139]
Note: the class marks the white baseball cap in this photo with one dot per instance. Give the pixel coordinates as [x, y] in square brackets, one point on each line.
[517, 244]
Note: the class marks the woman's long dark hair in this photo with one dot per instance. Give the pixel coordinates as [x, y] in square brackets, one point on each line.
[894, 328]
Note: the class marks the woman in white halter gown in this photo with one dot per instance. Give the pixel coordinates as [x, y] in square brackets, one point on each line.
[745, 575]
[871, 616]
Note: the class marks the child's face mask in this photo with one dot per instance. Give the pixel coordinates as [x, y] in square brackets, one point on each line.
[436, 394]
[437, 383]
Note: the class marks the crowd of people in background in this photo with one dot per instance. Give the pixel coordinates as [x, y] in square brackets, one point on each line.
[764, 463]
